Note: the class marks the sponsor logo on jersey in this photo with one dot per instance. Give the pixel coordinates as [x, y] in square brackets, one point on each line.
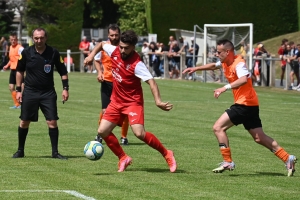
[128, 66]
[132, 114]
[115, 58]
[47, 68]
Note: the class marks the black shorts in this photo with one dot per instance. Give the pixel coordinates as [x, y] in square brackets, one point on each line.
[34, 99]
[12, 77]
[246, 115]
[106, 90]
[295, 66]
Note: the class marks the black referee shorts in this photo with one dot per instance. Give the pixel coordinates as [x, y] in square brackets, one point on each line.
[246, 115]
[106, 90]
[34, 99]
[12, 77]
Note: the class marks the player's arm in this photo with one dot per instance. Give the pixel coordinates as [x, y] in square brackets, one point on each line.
[242, 74]
[209, 66]
[99, 47]
[166, 106]
[62, 70]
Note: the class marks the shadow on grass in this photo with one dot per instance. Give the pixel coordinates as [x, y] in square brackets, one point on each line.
[155, 170]
[259, 174]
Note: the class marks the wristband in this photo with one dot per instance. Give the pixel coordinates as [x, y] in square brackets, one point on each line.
[228, 86]
[18, 89]
[65, 83]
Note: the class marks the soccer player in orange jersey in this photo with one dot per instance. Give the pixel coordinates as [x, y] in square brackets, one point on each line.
[103, 65]
[14, 53]
[245, 109]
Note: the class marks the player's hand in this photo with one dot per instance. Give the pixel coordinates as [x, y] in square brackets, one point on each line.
[5, 67]
[189, 70]
[88, 60]
[100, 77]
[19, 97]
[219, 91]
[166, 106]
[65, 95]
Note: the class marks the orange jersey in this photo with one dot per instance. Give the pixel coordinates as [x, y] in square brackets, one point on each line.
[14, 54]
[106, 63]
[245, 94]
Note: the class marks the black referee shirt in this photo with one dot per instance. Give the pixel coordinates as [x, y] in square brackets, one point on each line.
[40, 67]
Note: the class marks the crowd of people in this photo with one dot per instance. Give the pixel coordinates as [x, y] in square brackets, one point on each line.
[152, 56]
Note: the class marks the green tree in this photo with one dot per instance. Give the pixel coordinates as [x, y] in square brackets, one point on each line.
[99, 13]
[62, 19]
[6, 19]
[132, 15]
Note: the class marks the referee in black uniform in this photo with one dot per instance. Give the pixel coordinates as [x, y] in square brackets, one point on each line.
[38, 62]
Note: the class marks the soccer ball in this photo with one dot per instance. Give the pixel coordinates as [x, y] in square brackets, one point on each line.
[93, 150]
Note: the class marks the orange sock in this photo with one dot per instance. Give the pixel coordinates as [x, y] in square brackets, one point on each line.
[100, 117]
[226, 153]
[282, 154]
[124, 129]
[13, 95]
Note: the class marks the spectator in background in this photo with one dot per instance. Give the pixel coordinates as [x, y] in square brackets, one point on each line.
[260, 50]
[4, 45]
[292, 59]
[183, 45]
[191, 62]
[281, 52]
[154, 59]
[145, 51]
[84, 47]
[91, 47]
[164, 50]
[174, 64]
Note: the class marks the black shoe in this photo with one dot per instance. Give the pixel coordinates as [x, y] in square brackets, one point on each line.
[18, 154]
[59, 156]
[98, 138]
[124, 141]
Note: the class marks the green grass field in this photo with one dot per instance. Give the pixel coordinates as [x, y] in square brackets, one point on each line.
[187, 130]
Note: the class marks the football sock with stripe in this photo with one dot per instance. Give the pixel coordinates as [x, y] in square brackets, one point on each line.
[282, 154]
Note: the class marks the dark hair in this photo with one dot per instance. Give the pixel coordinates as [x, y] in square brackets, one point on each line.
[129, 37]
[113, 27]
[39, 29]
[226, 43]
[13, 34]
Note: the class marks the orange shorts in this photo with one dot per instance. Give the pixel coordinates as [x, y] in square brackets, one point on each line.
[116, 114]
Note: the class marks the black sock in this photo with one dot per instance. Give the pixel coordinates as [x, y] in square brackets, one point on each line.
[53, 133]
[22, 134]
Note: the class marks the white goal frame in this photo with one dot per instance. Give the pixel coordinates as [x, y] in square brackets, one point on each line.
[250, 25]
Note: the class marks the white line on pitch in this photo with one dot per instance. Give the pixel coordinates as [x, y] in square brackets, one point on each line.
[71, 192]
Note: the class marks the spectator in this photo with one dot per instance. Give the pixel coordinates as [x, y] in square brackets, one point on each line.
[295, 65]
[4, 45]
[174, 64]
[183, 45]
[190, 62]
[281, 52]
[256, 71]
[145, 51]
[84, 47]
[154, 59]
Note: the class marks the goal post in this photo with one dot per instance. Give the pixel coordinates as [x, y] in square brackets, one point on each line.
[249, 37]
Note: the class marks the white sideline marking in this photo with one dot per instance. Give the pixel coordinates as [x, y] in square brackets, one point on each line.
[71, 192]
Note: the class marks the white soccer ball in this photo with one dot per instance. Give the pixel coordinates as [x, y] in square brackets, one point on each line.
[93, 150]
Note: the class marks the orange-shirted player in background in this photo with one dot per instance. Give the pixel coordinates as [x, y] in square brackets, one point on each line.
[245, 109]
[15, 50]
[103, 66]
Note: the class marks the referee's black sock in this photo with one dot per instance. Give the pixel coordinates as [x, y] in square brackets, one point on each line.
[22, 134]
[53, 133]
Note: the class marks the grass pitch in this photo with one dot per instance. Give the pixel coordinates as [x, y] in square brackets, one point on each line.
[187, 130]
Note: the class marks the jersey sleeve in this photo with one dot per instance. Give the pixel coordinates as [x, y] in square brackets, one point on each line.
[142, 72]
[21, 66]
[20, 50]
[241, 69]
[108, 48]
[59, 63]
[98, 56]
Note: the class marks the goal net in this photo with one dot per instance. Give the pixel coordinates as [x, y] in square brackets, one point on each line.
[239, 34]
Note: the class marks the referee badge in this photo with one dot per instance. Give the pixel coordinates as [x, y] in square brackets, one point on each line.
[47, 68]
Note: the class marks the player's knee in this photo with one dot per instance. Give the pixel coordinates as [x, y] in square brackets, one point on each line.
[139, 134]
[24, 124]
